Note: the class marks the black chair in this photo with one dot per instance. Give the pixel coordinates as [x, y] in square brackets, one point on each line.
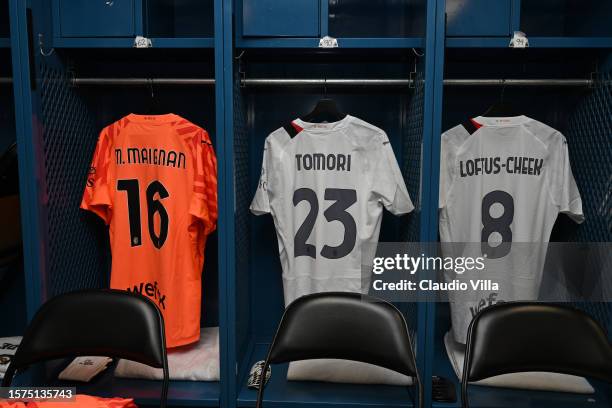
[108, 323]
[524, 336]
[344, 326]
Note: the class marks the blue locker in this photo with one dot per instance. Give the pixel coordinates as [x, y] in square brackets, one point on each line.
[270, 18]
[478, 18]
[98, 18]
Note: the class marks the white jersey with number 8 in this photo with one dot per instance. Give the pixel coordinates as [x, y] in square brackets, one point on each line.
[503, 186]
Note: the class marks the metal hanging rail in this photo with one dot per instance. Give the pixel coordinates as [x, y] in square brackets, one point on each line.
[521, 82]
[142, 81]
[297, 82]
[269, 82]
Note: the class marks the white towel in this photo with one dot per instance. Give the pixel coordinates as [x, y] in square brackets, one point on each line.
[344, 371]
[8, 347]
[529, 380]
[194, 362]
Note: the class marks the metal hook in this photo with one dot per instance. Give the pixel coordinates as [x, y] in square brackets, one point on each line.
[151, 88]
[241, 72]
[325, 87]
[503, 90]
[41, 44]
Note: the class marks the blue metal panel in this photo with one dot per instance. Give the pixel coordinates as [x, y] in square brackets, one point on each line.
[116, 42]
[534, 42]
[224, 72]
[434, 71]
[273, 18]
[27, 146]
[97, 18]
[223, 59]
[475, 18]
[391, 43]
[515, 19]
[324, 17]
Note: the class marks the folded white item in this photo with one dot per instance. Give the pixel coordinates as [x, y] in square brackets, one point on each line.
[540, 381]
[193, 362]
[8, 348]
[344, 371]
[84, 368]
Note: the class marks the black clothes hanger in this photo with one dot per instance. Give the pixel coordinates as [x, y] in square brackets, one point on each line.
[499, 109]
[325, 110]
[154, 107]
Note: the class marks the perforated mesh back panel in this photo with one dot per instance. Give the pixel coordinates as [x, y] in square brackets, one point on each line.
[75, 256]
[242, 197]
[411, 160]
[589, 137]
[411, 170]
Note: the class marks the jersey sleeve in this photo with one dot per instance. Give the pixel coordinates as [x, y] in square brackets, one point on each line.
[97, 194]
[261, 202]
[388, 183]
[204, 205]
[563, 188]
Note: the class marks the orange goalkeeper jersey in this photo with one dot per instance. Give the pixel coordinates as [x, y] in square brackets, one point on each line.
[153, 180]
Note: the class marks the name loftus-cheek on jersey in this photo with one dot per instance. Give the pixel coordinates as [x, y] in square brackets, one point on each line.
[494, 165]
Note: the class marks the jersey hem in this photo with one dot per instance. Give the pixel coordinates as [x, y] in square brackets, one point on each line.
[183, 342]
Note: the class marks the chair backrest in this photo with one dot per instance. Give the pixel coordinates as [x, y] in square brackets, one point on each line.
[536, 337]
[527, 336]
[94, 322]
[348, 326]
[345, 326]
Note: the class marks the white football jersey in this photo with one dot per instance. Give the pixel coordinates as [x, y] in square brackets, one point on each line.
[325, 185]
[503, 186]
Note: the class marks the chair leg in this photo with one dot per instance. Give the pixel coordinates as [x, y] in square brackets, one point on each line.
[464, 393]
[262, 384]
[165, 384]
[8, 376]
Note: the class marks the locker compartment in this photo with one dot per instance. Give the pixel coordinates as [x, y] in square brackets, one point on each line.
[578, 112]
[257, 281]
[374, 19]
[99, 18]
[272, 18]
[478, 18]
[179, 18]
[12, 276]
[76, 243]
[566, 18]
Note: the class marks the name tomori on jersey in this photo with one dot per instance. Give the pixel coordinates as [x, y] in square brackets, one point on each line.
[156, 157]
[494, 165]
[320, 161]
